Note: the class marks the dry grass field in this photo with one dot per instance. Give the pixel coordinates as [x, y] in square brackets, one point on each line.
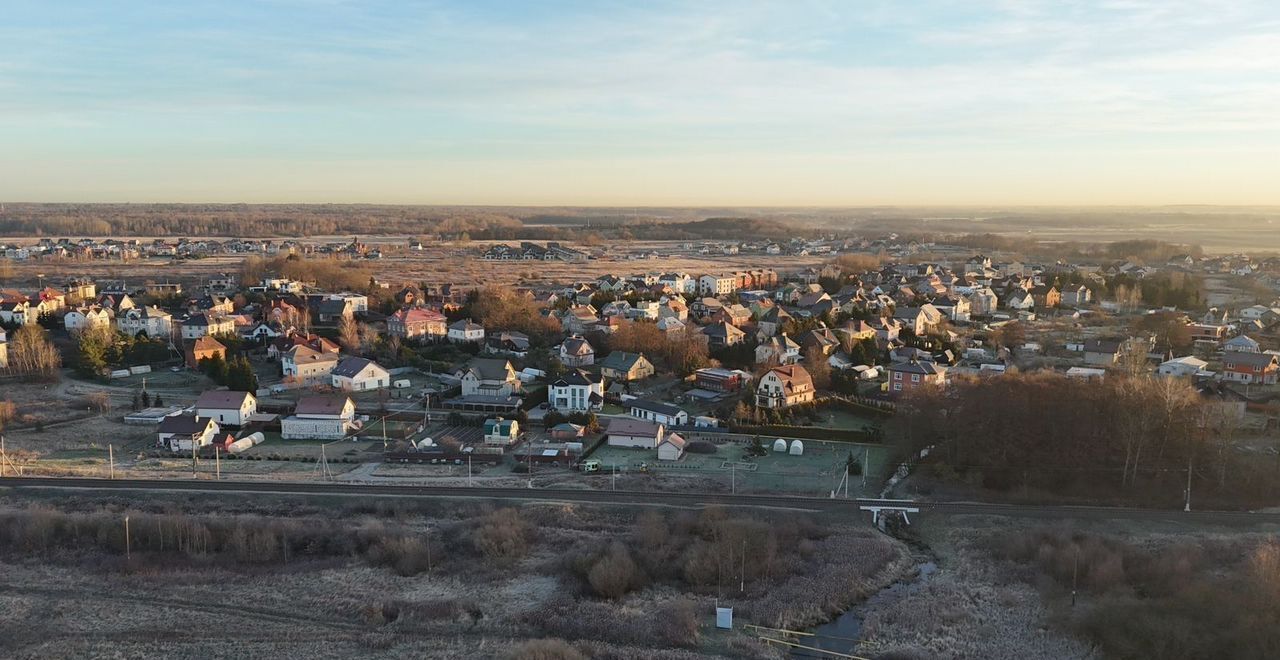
[452, 263]
[307, 578]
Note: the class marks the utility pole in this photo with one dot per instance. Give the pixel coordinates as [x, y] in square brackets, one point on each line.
[468, 470]
[733, 478]
[1187, 507]
[194, 443]
[126, 537]
[111, 461]
[3, 457]
[1075, 574]
[217, 463]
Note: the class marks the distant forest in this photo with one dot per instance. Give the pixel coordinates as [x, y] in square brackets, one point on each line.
[253, 220]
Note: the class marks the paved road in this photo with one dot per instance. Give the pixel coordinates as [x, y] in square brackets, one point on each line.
[817, 504]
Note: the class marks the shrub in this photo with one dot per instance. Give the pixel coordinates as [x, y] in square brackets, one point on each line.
[614, 573]
[502, 536]
[544, 649]
[701, 447]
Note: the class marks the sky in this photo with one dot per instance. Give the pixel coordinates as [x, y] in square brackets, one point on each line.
[715, 102]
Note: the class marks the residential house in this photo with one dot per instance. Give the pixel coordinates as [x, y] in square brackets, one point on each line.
[489, 377]
[1250, 368]
[145, 321]
[206, 325]
[356, 374]
[983, 302]
[722, 334]
[417, 322]
[823, 340]
[227, 407]
[914, 374]
[662, 413]
[627, 432]
[1241, 344]
[86, 318]
[320, 417]
[17, 312]
[771, 321]
[204, 348]
[778, 350]
[1046, 297]
[4, 349]
[626, 367]
[501, 431]
[306, 365]
[577, 352]
[465, 331]
[671, 327]
[1182, 367]
[576, 391]
[1075, 295]
[509, 342]
[783, 387]
[922, 320]
[182, 433]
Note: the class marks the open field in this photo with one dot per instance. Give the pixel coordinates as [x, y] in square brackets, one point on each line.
[440, 263]
[1002, 589]
[394, 579]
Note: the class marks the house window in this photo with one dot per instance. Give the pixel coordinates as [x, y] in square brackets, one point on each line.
[897, 387]
[915, 378]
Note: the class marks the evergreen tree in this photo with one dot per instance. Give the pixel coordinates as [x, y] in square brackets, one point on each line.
[146, 399]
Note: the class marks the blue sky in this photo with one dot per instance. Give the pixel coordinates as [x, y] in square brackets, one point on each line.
[715, 102]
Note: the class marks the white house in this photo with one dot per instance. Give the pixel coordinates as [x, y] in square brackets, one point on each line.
[671, 448]
[149, 321]
[1182, 367]
[465, 331]
[207, 325]
[306, 365]
[356, 374]
[624, 432]
[227, 407]
[489, 377]
[577, 352]
[179, 433]
[662, 413]
[320, 418]
[717, 285]
[86, 318]
[501, 431]
[576, 391]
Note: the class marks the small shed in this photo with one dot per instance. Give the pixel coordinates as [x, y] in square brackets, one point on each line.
[797, 448]
[671, 448]
[780, 445]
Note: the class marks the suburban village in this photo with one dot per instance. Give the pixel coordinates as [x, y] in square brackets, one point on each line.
[759, 379]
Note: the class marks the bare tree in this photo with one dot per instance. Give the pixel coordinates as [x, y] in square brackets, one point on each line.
[32, 354]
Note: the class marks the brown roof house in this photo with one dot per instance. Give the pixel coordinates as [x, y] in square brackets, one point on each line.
[204, 348]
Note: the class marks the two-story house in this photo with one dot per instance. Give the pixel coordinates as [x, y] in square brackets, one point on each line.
[785, 386]
[417, 322]
[626, 367]
[576, 391]
[489, 377]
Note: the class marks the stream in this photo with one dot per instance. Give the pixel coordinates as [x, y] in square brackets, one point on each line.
[843, 633]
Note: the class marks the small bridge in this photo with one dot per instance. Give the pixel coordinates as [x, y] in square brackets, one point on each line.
[880, 508]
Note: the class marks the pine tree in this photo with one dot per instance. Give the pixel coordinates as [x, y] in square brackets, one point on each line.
[146, 399]
[159, 402]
